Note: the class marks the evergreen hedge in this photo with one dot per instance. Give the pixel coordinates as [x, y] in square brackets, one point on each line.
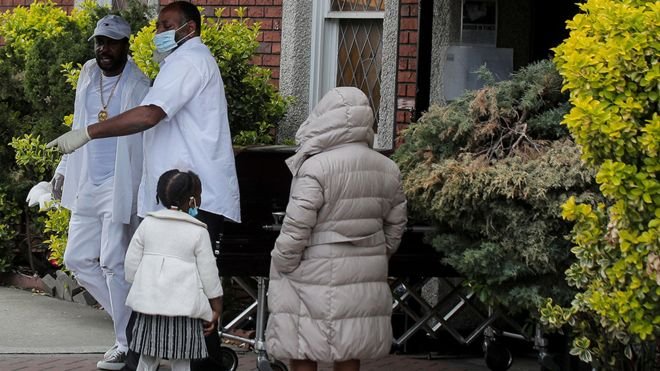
[490, 171]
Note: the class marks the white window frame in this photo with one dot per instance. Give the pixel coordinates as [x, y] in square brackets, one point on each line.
[325, 46]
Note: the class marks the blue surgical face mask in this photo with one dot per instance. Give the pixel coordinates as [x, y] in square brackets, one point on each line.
[166, 41]
[192, 207]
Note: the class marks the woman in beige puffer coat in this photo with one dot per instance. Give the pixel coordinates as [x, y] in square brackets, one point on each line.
[329, 299]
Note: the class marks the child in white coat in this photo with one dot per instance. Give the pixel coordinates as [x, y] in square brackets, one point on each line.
[176, 290]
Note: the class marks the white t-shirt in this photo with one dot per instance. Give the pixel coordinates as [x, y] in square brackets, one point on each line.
[102, 152]
[194, 135]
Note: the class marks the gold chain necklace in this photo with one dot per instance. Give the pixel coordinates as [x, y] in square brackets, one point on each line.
[103, 113]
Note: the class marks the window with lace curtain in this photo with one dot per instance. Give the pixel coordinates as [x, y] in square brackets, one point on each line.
[347, 46]
[357, 5]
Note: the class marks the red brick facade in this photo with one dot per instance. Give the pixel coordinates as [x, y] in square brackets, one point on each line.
[11, 4]
[6, 5]
[407, 66]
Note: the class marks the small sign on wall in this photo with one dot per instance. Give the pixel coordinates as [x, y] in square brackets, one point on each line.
[479, 22]
[406, 104]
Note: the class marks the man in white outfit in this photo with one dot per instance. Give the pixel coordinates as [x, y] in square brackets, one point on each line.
[99, 183]
[185, 123]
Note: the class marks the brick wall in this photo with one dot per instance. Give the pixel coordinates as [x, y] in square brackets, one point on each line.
[11, 4]
[66, 4]
[7, 5]
[407, 70]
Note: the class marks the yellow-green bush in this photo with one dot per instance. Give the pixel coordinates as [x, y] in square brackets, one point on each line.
[56, 228]
[33, 156]
[23, 26]
[36, 162]
[611, 68]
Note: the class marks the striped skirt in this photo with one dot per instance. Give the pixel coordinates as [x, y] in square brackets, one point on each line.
[168, 337]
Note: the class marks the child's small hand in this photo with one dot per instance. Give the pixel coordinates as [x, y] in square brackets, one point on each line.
[216, 308]
[210, 327]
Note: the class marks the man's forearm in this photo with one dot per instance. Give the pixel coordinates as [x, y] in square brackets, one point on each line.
[132, 121]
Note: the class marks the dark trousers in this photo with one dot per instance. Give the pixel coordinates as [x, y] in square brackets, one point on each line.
[215, 225]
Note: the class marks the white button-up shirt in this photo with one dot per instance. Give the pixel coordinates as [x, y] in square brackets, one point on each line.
[195, 133]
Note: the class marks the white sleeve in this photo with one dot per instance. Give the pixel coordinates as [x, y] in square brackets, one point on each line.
[61, 167]
[206, 266]
[176, 84]
[134, 254]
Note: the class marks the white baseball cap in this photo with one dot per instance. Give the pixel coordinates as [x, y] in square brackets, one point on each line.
[112, 26]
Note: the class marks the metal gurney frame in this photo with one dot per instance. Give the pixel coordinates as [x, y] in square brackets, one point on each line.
[406, 293]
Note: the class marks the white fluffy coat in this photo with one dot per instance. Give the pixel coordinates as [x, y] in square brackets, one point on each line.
[172, 267]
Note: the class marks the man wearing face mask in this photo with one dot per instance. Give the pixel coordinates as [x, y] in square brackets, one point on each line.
[184, 119]
[99, 183]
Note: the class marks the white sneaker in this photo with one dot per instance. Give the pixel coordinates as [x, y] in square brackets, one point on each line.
[107, 354]
[114, 361]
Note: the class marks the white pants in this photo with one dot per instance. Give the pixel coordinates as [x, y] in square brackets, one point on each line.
[95, 253]
[149, 363]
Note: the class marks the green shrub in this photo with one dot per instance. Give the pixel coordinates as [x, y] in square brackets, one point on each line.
[490, 171]
[8, 220]
[49, 227]
[262, 135]
[33, 156]
[56, 230]
[34, 99]
[611, 67]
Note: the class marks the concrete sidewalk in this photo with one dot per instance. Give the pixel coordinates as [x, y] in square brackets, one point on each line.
[36, 323]
[39, 333]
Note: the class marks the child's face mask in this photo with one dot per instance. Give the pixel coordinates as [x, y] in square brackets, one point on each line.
[192, 207]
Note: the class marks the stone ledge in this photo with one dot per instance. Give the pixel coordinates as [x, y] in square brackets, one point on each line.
[62, 286]
[23, 281]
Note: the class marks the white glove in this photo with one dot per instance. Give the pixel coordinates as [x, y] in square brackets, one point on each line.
[71, 141]
[56, 184]
[39, 194]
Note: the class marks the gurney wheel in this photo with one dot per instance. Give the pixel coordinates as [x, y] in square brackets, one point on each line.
[229, 359]
[498, 357]
[278, 366]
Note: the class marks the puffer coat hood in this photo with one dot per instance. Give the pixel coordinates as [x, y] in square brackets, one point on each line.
[328, 297]
[342, 116]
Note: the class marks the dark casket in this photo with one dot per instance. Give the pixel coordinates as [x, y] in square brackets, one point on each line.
[264, 181]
